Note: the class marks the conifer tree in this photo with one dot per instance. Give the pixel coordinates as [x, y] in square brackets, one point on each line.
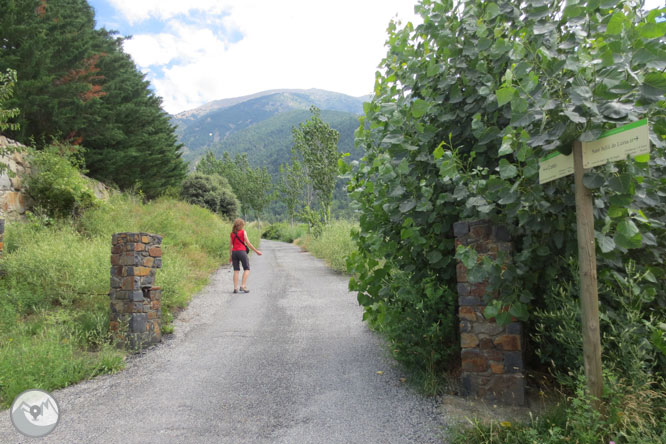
[77, 85]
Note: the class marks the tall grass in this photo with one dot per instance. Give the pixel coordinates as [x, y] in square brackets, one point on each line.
[54, 293]
[334, 244]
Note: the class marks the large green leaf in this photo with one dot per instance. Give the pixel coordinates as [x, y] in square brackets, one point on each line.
[617, 23]
[628, 235]
[593, 180]
[407, 205]
[606, 244]
[419, 108]
[504, 95]
[652, 30]
[434, 256]
[492, 11]
[656, 80]
[507, 170]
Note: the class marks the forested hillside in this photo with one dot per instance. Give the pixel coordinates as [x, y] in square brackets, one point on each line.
[232, 124]
[76, 85]
[269, 143]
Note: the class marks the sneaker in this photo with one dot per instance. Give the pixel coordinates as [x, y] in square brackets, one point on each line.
[244, 290]
[235, 290]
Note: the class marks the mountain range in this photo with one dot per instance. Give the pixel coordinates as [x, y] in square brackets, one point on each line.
[261, 124]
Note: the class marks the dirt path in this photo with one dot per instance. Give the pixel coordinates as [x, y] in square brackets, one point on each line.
[290, 362]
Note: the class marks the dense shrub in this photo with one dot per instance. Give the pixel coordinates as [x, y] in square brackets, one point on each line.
[284, 232]
[212, 192]
[464, 107]
[56, 185]
[635, 414]
[632, 336]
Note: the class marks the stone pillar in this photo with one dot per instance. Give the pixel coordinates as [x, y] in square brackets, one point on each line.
[491, 355]
[135, 303]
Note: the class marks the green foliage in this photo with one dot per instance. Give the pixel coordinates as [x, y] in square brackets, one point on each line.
[634, 399]
[317, 143]
[635, 414]
[290, 186]
[334, 244]
[261, 126]
[212, 192]
[7, 83]
[56, 185]
[252, 186]
[284, 232]
[628, 319]
[129, 139]
[314, 219]
[269, 142]
[465, 105]
[57, 343]
[77, 85]
[55, 305]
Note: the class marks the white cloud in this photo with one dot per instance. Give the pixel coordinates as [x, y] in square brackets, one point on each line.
[285, 44]
[333, 45]
[139, 10]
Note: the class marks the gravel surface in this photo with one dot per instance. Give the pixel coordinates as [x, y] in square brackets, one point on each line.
[289, 362]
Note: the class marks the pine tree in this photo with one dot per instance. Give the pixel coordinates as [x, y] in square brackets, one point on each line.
[129, 139]
[77, 85]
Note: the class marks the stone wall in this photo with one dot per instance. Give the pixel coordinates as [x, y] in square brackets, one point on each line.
[491, 355]
[13, 201]
[135, 302]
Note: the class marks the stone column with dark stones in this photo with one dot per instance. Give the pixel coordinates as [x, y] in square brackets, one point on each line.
[491, 355]
[135, 302]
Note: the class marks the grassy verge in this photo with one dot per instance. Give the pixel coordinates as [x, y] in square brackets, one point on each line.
[53, 295]
[334, 244]
[631, 413]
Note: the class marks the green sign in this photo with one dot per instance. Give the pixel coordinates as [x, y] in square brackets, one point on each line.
[613, 145]
[554, 166]
[628, 140]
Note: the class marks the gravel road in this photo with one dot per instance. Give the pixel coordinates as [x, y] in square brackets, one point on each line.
[290, 362]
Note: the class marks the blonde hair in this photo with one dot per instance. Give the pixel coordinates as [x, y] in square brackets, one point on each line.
[238, 225]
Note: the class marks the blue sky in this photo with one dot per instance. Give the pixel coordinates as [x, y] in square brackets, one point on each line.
[196, 51]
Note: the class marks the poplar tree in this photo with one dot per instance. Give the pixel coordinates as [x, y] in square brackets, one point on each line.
[317, 143]
[290, 186]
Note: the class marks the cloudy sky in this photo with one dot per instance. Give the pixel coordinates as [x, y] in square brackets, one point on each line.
[196, 51]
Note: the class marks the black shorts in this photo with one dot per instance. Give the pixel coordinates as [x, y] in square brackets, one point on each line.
[240, 257]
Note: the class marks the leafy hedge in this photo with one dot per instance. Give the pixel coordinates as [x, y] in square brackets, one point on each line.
[465, 106]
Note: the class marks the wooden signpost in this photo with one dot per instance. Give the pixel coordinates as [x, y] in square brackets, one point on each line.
[628, 140]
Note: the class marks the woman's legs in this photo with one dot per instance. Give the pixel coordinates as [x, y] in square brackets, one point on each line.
[246, 273]
[236, 279]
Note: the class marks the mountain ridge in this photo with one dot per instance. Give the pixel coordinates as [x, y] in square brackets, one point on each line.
[231, 101]
[209, 126]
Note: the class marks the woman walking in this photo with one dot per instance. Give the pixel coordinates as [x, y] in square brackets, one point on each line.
[239, 247]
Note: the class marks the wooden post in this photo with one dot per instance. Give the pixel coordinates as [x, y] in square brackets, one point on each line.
[587, 263]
